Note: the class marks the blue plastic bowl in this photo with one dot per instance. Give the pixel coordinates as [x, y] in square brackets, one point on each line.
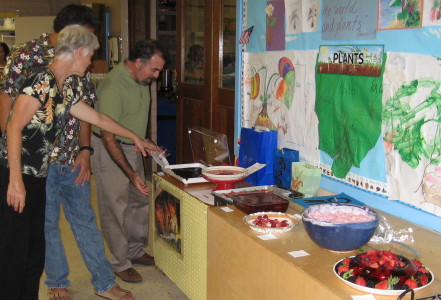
[339, 237]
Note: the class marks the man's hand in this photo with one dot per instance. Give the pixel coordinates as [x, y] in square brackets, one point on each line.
[16, 195]
[140, 184]
[83, 162]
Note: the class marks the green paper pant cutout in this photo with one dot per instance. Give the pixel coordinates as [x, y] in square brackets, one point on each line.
[349, 113]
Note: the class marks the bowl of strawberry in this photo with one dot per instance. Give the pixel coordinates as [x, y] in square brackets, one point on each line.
[271, 222]
[383, 272]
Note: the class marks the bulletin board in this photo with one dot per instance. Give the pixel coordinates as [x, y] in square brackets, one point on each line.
[354, 86]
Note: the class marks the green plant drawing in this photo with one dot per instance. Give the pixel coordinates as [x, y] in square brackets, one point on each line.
[410, 14]
[405, 124]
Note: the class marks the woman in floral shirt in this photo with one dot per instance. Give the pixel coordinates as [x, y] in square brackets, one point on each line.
[39, 115]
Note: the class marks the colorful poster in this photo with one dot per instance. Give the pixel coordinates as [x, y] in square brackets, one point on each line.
[357, 60]
[411, 129]
[301, 16]
[275, 25]
[432, 13]
[349, 113]
[279, 94]
[349, 20]
[399, 14]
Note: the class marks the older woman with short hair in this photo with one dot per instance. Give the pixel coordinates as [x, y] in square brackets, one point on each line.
[38, 116]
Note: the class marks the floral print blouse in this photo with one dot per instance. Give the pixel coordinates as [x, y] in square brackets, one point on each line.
[36, 55]
[45, 126]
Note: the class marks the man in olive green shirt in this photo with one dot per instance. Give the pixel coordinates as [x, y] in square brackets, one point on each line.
[119, 172]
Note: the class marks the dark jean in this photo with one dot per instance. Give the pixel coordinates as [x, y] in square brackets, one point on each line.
[22, 240]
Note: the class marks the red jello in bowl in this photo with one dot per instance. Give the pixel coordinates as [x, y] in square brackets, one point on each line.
[260, 201]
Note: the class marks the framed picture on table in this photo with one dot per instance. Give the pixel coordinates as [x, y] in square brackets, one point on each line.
[168, 219]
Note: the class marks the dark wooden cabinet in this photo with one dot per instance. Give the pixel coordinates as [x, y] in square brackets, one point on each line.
[202, 99]
[205, 88]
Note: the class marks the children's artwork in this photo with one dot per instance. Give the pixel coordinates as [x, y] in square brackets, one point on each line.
[349, 112]
[311, 10]
[358, 60]
[349, 20]
[167, 219]
[275, 25]
[294, 16]
[279, 95]
[411, 129]
[432, 13]
[301, 16]
[386, 127]
[399, 14]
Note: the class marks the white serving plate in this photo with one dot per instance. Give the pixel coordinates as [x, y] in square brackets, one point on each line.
[169, 170]
[292, 221]
[380, 291]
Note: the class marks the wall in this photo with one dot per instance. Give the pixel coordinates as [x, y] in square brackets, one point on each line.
[118, 8]
[27, 28]
[115, 11]
[51, 7]
[28, 8]
[395, 170]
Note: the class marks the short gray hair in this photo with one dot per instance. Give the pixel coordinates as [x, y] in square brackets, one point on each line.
[73, 37]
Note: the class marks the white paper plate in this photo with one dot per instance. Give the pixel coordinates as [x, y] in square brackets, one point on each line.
[292, 221]
[379, 291]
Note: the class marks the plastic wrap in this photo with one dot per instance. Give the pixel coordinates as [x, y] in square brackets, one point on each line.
[385, 234]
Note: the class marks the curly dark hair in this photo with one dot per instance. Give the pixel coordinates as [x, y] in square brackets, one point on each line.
[145, 50]
[5, 48]
[73, 14]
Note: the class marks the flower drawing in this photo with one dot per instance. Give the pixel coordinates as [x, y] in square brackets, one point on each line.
[269, 10]
[280, 84]
[270, 21]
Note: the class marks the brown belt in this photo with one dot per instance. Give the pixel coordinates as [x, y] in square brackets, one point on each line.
[119, 141]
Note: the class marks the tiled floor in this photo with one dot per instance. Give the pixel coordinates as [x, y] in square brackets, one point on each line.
[155, 285]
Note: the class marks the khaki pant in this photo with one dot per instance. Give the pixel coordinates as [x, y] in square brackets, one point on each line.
[123, 210]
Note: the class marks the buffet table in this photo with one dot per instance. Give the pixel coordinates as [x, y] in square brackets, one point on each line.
[222, 258]
[243, 266]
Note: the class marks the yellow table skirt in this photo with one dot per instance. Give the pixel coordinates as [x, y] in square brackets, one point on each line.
[188, 269]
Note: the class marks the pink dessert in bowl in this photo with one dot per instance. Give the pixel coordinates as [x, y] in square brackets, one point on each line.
[340, 227]
[343, 215]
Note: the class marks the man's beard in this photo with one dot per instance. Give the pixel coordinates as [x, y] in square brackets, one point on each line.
[145, 82]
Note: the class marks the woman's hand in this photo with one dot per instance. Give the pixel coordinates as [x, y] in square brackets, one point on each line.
[16, 195]
[82, 161]
[146, 146]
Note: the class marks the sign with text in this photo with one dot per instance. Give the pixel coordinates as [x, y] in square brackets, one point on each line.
[359, 60]
[349, 20]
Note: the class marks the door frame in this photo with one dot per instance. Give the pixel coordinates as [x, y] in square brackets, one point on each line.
[217, 103]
